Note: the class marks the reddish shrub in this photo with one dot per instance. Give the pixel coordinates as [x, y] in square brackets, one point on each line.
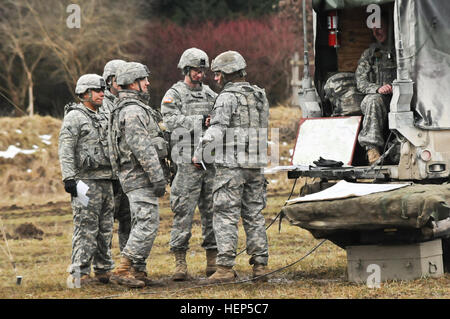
[266, 44]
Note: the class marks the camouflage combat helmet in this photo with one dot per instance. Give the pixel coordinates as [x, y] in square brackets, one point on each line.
[228, 62]
[195, 58]
[111, 68]
[129, 72]
[89, 81]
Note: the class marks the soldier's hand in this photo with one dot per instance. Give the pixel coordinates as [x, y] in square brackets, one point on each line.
[206, 121]
[385, 89]
[70, 186]
[160, 188]
[196, 163]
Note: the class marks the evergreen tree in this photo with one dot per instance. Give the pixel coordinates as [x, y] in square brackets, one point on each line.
[182, 12]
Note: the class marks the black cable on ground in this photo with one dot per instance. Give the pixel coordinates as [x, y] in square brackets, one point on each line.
[225, 283]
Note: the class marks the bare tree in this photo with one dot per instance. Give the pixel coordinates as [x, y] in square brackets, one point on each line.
[34, 30]
[106, 31]
[20, 54]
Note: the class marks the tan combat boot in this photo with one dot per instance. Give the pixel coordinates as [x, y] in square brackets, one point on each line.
[142, 276]
[373, 155]
[258, 271]
[123, 275]
[180, 266]
[211, 267]
[222, 274]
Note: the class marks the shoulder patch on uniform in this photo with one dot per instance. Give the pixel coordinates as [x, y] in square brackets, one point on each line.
[168, 99]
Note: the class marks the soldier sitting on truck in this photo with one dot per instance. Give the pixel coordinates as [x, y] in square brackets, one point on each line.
[374, 76]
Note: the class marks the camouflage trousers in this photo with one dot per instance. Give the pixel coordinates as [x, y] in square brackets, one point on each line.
[122, 215]
[144, 210]
[191, 187]
[240, 192]
[93, 229]
[375, 109]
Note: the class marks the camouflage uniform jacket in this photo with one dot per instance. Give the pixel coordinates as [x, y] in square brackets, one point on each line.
[185, 107]
[136, 143]
[376, 67]
[238, 108]
[83, 146]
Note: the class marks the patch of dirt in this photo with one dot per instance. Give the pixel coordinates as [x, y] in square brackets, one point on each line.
[27, 231]
[33, 210]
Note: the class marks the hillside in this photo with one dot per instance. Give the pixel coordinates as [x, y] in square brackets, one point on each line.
[29, 166]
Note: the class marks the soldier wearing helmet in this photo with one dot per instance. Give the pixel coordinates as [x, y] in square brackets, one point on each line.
[83, 154]
[240, 110]
[186, 107]
[122, 206]
[138, 154]
[112, 89]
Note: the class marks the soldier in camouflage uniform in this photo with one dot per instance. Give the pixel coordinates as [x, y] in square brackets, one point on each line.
[138, 152]
[239, 188]
[122, 206]
[374, 76]
[186, 107]
[83, 154]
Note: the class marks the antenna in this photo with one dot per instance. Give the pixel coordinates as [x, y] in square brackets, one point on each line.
[306, 77]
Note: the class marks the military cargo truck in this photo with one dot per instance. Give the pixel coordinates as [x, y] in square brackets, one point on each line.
[417, 150]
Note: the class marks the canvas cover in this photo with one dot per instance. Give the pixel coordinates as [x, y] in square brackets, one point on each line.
[407, 207]
[424, 28]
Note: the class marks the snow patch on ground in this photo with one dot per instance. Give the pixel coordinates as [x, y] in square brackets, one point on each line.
[12, 151]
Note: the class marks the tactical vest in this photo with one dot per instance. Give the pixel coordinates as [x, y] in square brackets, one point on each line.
[249, 115]
[93, 153]
[157, 137]
[384, 66]
[194, 102]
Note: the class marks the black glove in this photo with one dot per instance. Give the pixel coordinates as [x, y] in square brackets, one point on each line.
[160, 188]
[70, 187]
[322, 162]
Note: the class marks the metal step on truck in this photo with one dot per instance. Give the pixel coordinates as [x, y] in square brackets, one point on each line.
[391, 212]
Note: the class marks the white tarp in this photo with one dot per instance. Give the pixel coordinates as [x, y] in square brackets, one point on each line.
[424, 27]
[345, 189]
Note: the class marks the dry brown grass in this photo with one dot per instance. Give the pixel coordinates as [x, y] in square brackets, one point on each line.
[30, 178]
[43, 263]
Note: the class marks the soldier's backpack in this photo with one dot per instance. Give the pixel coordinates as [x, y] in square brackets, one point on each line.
[340, 89]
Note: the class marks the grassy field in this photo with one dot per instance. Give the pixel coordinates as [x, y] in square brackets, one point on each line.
[42, 257]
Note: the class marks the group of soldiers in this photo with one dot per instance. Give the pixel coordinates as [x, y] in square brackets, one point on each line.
[121, 148]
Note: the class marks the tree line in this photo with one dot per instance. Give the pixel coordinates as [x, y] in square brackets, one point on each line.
[41, 57]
